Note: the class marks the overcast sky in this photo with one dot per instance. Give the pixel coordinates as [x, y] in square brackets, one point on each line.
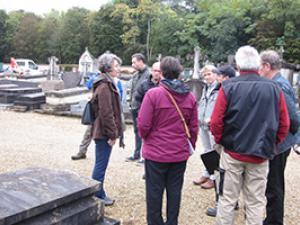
[43, 6]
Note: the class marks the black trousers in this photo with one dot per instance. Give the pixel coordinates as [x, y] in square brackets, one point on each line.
[138, 140]
[161, 176]
[275, 189]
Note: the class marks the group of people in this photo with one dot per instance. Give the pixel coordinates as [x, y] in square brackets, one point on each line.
[250, 120]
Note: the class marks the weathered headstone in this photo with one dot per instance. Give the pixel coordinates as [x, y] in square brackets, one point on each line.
[51, 85]
[71, 79]
[196, 62]
[39, 196]
[196, 86]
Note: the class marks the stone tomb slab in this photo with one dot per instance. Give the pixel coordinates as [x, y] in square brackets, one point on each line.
[39, 196]
[32, 101]
[6, 86]
[9, 95]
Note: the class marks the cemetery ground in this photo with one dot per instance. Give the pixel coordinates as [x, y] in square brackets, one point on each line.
[36, 140]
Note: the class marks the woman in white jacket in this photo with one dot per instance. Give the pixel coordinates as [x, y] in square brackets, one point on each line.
[206, 106]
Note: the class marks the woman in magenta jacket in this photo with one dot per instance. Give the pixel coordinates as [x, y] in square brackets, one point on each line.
[165, 146]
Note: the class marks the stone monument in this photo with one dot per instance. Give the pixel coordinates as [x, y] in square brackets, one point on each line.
[39, 196]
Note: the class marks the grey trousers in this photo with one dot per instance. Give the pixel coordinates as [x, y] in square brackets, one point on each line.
[86, 141]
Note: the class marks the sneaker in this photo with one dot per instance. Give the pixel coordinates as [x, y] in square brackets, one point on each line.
[200, 181]
[78, 156]
[141, 161]
[132, 159]
[211, 211]
[108, 201]
[208, 184]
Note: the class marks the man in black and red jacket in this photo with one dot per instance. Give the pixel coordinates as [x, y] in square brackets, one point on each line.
[249, 119]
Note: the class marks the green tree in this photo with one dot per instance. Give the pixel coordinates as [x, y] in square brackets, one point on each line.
[3, 30]
[74, 34]
[12, 24]
[49, 31]
[105, 32]
[25, 40]
[279, 25]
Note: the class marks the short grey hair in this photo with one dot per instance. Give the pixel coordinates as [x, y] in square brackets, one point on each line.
[271, 57]
[106, 61]
[247, 58]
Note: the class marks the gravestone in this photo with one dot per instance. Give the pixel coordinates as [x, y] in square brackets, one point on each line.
[19, 83]
[39, 196]
[6, 86]
[31, 101]
[52, 85]
[9, 95]
[196, 87]
[71, 79]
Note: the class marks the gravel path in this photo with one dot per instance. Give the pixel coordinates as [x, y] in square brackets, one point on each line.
[30, 140]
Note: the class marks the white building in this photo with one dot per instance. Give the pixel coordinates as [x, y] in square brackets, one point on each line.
[87, 63]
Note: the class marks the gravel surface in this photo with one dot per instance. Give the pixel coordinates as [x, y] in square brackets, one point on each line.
[31, 139]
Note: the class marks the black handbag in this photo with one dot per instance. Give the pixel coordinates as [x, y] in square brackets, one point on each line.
[88, 116]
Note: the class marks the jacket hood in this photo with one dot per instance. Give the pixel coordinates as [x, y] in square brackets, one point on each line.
[102, 78]
[176, 86]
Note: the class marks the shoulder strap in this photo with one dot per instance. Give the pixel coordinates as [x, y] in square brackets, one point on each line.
[187, 131]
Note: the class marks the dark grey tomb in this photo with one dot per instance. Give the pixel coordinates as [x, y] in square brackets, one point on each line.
[9, 95]
[31, 101]
[39, 196]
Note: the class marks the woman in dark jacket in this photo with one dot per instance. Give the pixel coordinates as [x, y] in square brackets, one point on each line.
[108, 123]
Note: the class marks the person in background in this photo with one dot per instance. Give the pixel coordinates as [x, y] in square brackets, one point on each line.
[225, 72]
[270, 68]
[143, 73]
[165, 142]
[108, 123]
[206, 106]
[242, 103]
[87, 136]
[151, 82]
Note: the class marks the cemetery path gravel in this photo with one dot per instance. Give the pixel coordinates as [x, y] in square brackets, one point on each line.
[36, 140]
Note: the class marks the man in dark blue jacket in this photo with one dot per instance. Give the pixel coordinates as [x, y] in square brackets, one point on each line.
[270, 68]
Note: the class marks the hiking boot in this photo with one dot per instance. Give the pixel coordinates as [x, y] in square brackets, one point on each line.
[78, 156]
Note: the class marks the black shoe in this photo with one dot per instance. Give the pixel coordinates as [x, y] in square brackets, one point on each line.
[237, 206]
[211, 211]
[144, 177]
[132, 159]
[108, 201]
[78, 156]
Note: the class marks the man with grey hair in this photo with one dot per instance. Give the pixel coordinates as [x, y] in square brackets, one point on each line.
[270, 68]
[250, 117]
[142, 74]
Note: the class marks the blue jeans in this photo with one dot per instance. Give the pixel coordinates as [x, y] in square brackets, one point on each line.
[103, 150]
